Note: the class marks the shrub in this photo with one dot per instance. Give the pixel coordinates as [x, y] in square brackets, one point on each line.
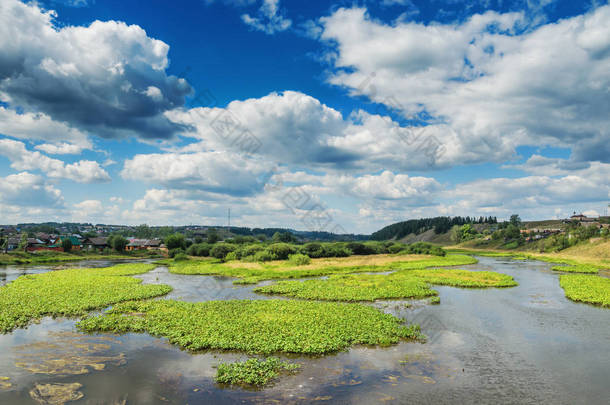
[199, 249]
[119, 243]
[299, 259]
[264, 256]
[359, 248]
[337, 251]
[281, 250]
[313, 249]
[180, 257]
[231, 256]
[174, 252]
[395, 248]
[221, 250]
[250, 250]
[66, 244]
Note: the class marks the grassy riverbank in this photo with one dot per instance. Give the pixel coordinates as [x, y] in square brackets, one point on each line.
[49, 257]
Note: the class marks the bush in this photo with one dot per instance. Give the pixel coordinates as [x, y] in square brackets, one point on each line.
[231, 256]
[174, 252]
[249, 250]
[337, 250]
[395, 248]
[359, 248]
[264, 256]
[199, 249]
[281, 250]
[313, 249]
[299, 259]
[221, 250]
[179, 257]
[423, 248]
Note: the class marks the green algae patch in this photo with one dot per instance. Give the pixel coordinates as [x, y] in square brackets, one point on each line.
[252, 273]
[578, 268]
[253, 372]
[585, 288]
[256, 326]
[371, 287]
[71, 292]
[56, 394]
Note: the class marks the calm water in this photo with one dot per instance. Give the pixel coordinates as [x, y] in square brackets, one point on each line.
[522, 345]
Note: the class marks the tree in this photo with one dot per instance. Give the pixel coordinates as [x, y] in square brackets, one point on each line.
[143, 232]
[515, 220]
[212, 236]
[23, 245]
[175, 241]
[66, 244]
[285, 237]
[119, 243]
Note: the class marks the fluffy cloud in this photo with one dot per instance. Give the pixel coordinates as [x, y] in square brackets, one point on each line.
[269, 19]
[488, 80]
[215, 172]
[39, 126]
[29, 190]
[83, 171]
[294, 128]
[108, 78]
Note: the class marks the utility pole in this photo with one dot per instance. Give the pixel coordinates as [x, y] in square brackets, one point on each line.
[229, 216]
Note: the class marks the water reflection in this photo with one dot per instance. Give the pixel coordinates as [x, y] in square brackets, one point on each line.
[527, 344]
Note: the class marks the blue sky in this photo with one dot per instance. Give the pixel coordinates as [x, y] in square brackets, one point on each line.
[337, 116]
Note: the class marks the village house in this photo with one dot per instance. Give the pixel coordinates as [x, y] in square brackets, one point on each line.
[96, 243]
[144, 244]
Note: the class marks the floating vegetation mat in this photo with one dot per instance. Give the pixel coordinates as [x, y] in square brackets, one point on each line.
[56, 394]
[578, 268]
[402, 284]
[67, 354]
[586, 288]
[256, 326]
[253, 372]
[252, 273]
[71, 292]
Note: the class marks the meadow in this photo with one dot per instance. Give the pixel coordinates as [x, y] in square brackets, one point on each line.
[586, 288]
[71, 292]
[371, 287]
[255, 326]
[252, 273]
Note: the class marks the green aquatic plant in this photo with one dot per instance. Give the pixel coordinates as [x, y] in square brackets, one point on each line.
[252, 273]
[71, 292]
[253, 371]
[586, 288]
[371, 287]
[578, 268]
[255, 326]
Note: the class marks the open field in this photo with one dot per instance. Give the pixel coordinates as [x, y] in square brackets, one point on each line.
[256, 326]
[71, 292]
[371, 287]
[586, 288]
[252, 273]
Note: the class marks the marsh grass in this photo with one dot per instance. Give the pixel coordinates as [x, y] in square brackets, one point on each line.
[253, 372]
[590, 289]
[252, 273]
[71, 292]
[371, 287]
[256, 326]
